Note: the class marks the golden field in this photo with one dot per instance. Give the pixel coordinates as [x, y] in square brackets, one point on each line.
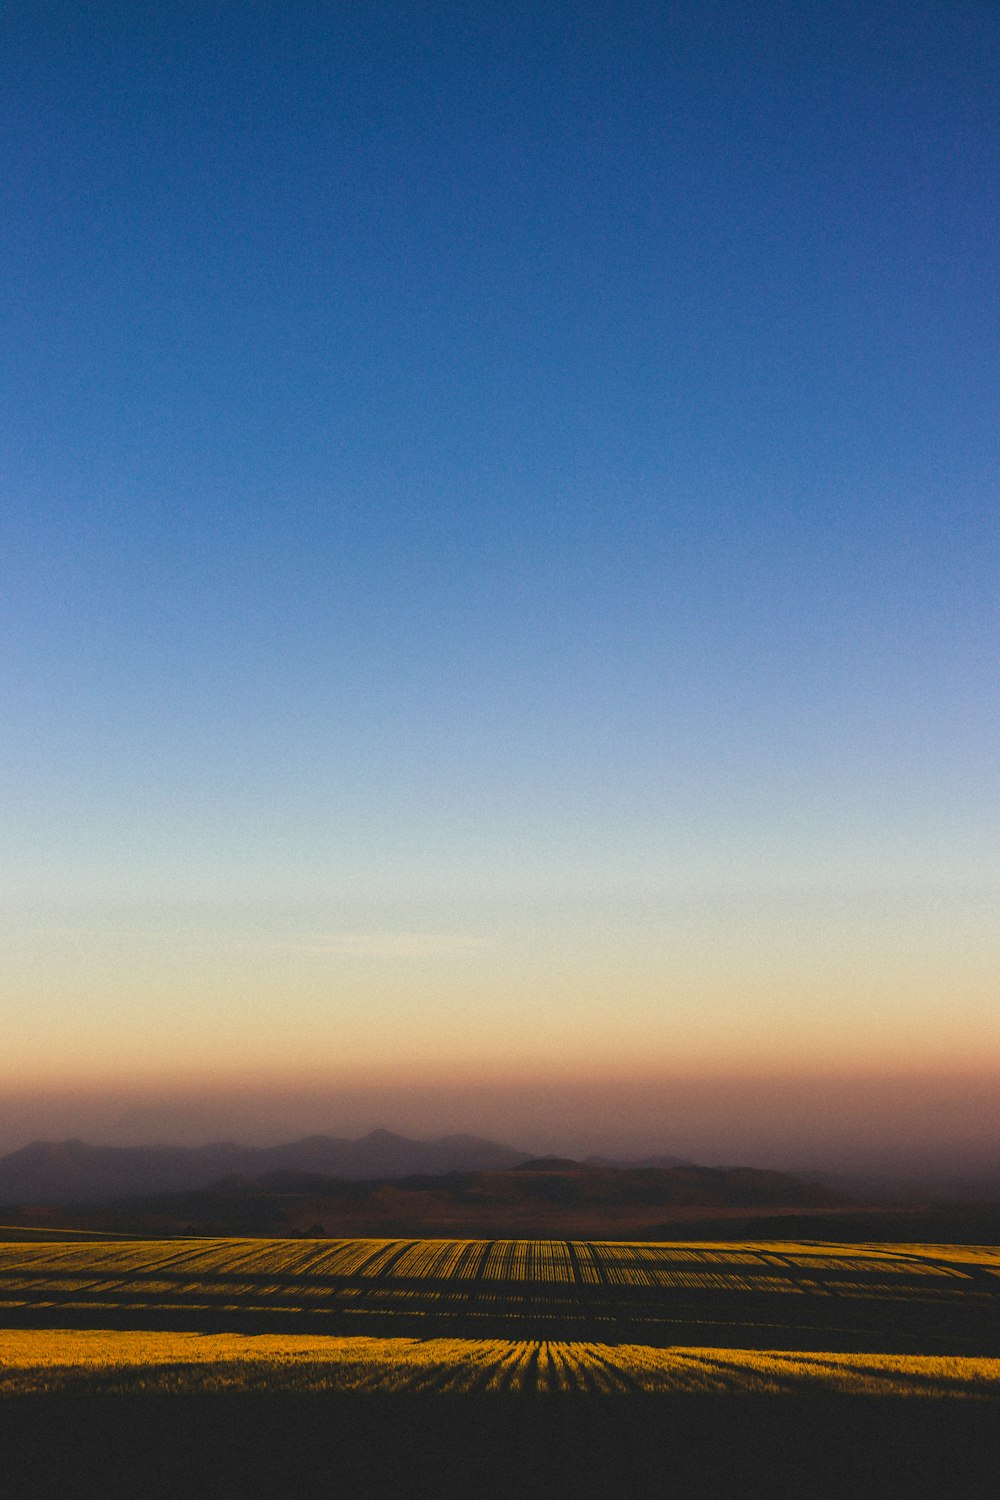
[120, 1362]
[513, 1316]
[499, 1367]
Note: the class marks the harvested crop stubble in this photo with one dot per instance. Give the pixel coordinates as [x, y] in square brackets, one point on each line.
[808, 1296]
[103, 1361]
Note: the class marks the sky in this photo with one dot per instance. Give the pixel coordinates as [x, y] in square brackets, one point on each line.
[498, 572]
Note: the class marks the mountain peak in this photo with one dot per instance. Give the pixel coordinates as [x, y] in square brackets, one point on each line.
[74, 1172]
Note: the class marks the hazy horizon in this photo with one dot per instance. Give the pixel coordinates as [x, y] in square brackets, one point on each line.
[901, 1128]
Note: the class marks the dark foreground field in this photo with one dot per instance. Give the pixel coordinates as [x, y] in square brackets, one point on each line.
[348, 1446]
[496, 1368]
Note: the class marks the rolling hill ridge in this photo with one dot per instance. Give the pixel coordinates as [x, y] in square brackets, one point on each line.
[74, 1172]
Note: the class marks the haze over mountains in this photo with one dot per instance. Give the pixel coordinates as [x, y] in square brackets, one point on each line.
[73, 1171]
[382, 1184]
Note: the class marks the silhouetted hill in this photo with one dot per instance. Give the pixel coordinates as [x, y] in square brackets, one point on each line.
[543, 1197]
[75, 1172]
[638, 1161]
[550, 1164]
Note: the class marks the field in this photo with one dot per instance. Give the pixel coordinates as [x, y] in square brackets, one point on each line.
[658, 1343]
[903, 1300]
[192, 1363]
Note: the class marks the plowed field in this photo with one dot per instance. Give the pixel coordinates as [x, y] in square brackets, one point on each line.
[888, 1299]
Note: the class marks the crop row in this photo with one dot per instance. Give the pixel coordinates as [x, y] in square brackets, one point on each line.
[518, 1261]
[101, 1361]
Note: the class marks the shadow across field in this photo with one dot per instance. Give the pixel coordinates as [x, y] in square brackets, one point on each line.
[333, 1447]
[750, 1296]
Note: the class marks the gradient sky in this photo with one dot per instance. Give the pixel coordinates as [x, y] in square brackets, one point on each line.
[499, 555]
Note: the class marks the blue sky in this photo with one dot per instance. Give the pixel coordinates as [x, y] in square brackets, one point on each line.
[466, 468]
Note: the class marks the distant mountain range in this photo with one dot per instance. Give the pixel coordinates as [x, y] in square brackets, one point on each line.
[457, 1185]
[539, 1197]
[74, 1172]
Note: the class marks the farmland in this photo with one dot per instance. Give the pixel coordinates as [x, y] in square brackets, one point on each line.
[498, 1367]
[98, 1361]
[807, 1297]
